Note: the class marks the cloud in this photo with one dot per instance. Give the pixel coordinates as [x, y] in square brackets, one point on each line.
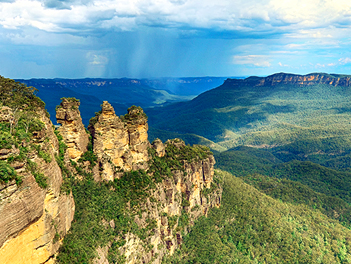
[255, 60]
[178, 37]
[344, 61]
[254, 17]
[283, 65]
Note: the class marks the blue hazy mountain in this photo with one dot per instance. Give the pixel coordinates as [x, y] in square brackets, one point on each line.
[121, 93]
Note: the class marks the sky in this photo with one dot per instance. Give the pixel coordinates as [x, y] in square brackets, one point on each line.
[173, 38]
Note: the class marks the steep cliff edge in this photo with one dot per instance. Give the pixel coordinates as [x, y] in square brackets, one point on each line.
[187, 192]
[132, 201]
[34, 214]
[145, 197]
[294, 79]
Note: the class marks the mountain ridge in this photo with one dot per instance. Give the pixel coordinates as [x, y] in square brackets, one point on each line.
[244, 108]
[291, 78]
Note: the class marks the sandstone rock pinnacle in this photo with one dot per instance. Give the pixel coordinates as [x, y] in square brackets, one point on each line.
[72, 128]
[120, 144]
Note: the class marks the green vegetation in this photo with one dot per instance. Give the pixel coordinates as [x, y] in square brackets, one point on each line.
[19, 127]
[40, 178]
[240, 112]
[94, 119]
[291, 204]
[244, 161]
[89, 155]
[250, 227]
[15, 95]
[119, 201]
[94, 202]
[70, 99]
[174, 158]
[7, 173]
[133, 113]
[297, 193]
[189, 139]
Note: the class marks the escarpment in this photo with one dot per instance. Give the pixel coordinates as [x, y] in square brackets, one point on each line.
[140, 198]
[34, 214]
[309, 79]
[295, 79]
[185, 194]
[164, 188]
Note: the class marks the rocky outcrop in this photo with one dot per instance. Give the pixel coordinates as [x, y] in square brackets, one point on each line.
[5, 114]
[120, 144]
[188, 194]
[158, 146]
[33, 220]
[72, 128]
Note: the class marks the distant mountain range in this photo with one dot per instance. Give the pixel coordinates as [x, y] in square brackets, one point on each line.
[263, 111]
[121, 93]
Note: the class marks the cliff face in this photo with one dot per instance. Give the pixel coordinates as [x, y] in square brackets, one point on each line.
[294, 79]
[309, 79]
[174, 205]
[72, 128]
[32, 216]
[35, 215]
[184, 191]
[120, 144]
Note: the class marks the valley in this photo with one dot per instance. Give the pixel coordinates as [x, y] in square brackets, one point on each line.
[269, 181]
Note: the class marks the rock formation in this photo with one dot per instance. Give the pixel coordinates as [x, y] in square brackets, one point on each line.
[309, 79]
[31, 216]
[34, 219]
[72, 128]
[120, 144]
[187, 194]
[295, 79]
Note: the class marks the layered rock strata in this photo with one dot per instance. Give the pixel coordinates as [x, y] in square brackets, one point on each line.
[182, 196]
[309, 79]
[120, 143]
[293, 79]
[31, 216]
[72, 128]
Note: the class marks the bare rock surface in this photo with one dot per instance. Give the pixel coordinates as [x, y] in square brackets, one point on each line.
[120, 144]
[31, 216]
[72, 128]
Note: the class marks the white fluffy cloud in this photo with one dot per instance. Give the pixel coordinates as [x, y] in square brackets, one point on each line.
[247, 16]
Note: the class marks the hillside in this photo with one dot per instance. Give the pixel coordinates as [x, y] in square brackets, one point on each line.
[252, 163]
[251, 227]
[265, 112]
[34, 212]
